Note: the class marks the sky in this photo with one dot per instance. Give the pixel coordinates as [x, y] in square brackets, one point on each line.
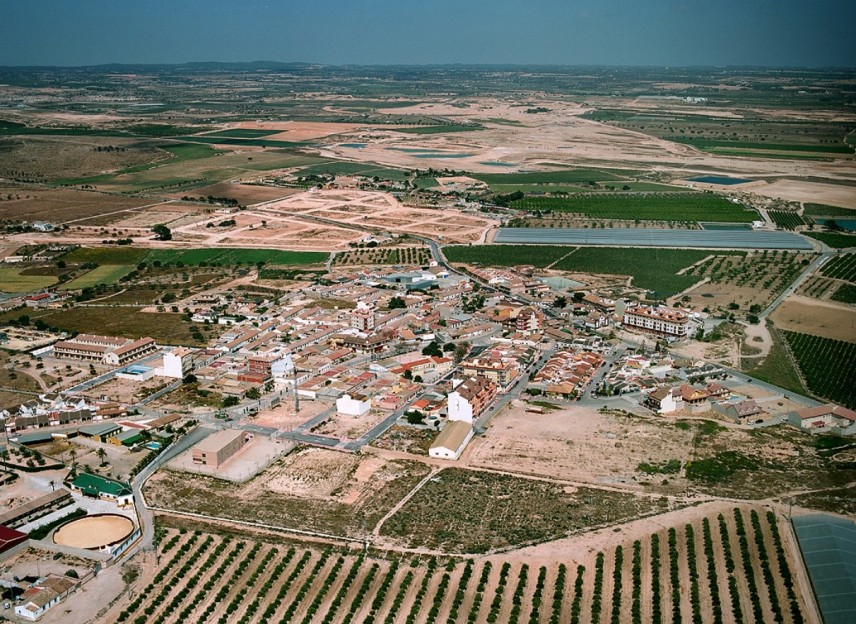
[802, 33]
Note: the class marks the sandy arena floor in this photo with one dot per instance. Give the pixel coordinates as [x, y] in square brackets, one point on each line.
[94, 531]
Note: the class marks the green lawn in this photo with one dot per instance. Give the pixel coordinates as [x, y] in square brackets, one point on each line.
[12, 281]
[105, 274]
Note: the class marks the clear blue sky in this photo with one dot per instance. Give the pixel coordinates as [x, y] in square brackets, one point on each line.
[564, 32]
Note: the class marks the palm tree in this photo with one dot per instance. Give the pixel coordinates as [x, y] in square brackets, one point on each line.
[102, 454]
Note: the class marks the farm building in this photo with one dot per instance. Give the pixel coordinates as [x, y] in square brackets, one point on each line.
[36, 508]
[44, 594]
[101, 431]
[12, 542]
[218, 447]
[452, 441]
[95, 486]
[126, 438]
[825, 418]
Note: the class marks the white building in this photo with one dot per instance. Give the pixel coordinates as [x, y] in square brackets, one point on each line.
[452, 441]
[363, 318]
[470, 398]
[353, 405]
[177, 363]
[657, 320]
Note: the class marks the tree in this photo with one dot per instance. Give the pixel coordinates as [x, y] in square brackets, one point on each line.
[230, 401]
[448, 347]
[408, 374]
[162, 232]
[102, 455]
[397, 302]
[415, 417]
[461, 351]
[189, 379]
[253, 393]
[433, 349]
[560, 302]
[579, 296]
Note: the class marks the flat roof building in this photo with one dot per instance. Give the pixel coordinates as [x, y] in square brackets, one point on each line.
[220, 446]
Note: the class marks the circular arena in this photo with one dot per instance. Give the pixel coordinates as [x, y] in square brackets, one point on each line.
[97, 532]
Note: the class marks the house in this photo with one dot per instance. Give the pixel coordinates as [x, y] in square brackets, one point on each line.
[44, 594]
[353, 405]
[665, 400]
[452, 440]
[825, 418]
[177, 363]
[742, 412]
[220, 446]
[470, 398]
[96, 486]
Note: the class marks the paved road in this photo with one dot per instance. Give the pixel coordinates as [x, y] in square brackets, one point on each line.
[822, 258]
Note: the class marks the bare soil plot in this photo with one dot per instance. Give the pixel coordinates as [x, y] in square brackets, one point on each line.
[307, 490]
[61, 205]
[298, 130]
[818, 318]
[805, 191]
[349, 427]
[245, 194]
[284, 417]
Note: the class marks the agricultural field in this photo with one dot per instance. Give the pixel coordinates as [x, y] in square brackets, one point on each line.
[14, 280]
[114, 255]
[444, 129]
[841, 267]
[657, 270]
[107, 274]
[468, 511]
[827, 366]
[165, 328]
[384, 255]
[786, 219]
[60, 205]
[338, 168]
[846, 293]
[747, 279]
[230, 256]
[506, 255]
[547, 177]
[818, 287]
[680, 207]
[731, 566]
[834, 239]
[825, 211]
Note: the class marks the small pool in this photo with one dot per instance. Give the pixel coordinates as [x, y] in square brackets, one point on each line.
[724, 180]
[497, 163]
[421, 152]
[353, 145]
[137, 370]
[154, 446]
[561, 283]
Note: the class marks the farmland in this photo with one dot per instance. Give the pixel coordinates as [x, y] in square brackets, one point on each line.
[106, 274]
[822, 210]
[106, 255]
[841, 267]
[846, 293]
[381, 255]
[827, 366]
[786, 219]
[230, 256]
[729, 566]
[679, 207]
[546, 177]
[833, 239]
[652, 269]
[12, 280]
[509, 511]
[507, 255]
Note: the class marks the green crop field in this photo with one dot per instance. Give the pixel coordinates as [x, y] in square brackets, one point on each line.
[657, 207]
[652, 269]
[106, 255]
[547, 177]
[105, 274]
[823, 210]
[506, 255]
[833, 239]
[841, 267]
[567, 188]
[846, 293]
[219, 139]
[227, 256]
[827, 366]
[713, 145]
[786, 219]
[11, 280]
